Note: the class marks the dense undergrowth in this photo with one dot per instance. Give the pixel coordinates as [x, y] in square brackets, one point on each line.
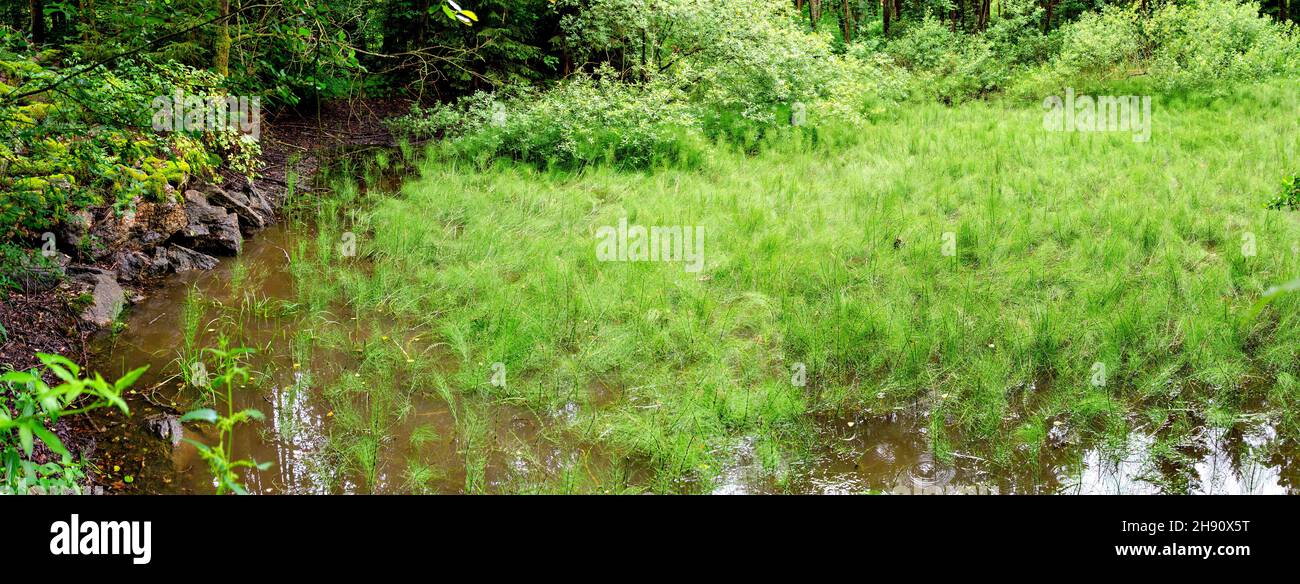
[741, 93]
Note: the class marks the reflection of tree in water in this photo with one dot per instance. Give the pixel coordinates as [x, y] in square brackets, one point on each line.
[1284, 456]
[892, 453]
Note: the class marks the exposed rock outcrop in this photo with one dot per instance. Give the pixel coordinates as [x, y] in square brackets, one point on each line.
[155, 223]
[166, 427]
[137, 266]
[253, 210]
[211, 228]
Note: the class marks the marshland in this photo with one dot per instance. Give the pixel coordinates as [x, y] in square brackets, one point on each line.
[707, 246]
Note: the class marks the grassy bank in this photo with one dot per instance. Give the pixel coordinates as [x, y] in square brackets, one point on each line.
[1096, 286]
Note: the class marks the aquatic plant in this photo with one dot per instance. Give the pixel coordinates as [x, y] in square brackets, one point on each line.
[220, 457]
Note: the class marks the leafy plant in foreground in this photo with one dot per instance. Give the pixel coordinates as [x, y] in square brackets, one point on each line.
[32, 408]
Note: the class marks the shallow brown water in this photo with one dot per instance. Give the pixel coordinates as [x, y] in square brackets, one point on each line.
[865, 454]
[294, 435]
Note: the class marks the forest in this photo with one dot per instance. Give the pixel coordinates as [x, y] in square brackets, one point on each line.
[649, 246]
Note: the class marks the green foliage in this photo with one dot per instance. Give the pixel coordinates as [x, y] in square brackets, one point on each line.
[1204, 45]
[29, 409]
[15, 262]
[69, 150]
[1289, 197]
[1210, 44]
[220, 458]
[747, 56]
[949, 66]
[582, 121]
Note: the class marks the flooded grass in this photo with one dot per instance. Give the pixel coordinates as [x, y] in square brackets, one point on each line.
[456, 334]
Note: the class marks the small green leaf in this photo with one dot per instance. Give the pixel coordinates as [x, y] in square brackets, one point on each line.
[52, 360]
[16, 377]
[130, 378]
[25, 437]
[51, 440]
[470, 14]
[208, 415]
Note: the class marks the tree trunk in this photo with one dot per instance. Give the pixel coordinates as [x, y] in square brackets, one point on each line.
[38, 22]
[885, 11]
[222, 60]
[87, 10]
[848, 21]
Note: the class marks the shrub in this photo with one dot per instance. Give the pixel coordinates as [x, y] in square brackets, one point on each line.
[1214, 42]
[1205, 45]
[58, 155]
[949, 66]
[744, 56]
[1099, 43]
[1289, 198]
[583, 120]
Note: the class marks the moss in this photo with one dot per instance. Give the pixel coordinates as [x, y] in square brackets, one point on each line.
[79, 302]
[31, 183]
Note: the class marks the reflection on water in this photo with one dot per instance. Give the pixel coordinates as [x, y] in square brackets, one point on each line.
[299, 426]
[891, 454]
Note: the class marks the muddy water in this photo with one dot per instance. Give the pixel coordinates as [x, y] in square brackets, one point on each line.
[253, 295]
[257, 313]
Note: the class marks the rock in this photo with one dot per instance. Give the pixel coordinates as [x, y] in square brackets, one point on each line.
[75, 229]
[157, 222]
[184, 259]
[260, 200]
[166, 427]
[251, 218]
[108, 233]
[134, 266]
[106, 297]
[211, 228]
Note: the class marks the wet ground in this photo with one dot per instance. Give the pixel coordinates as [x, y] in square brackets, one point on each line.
[427, 451]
